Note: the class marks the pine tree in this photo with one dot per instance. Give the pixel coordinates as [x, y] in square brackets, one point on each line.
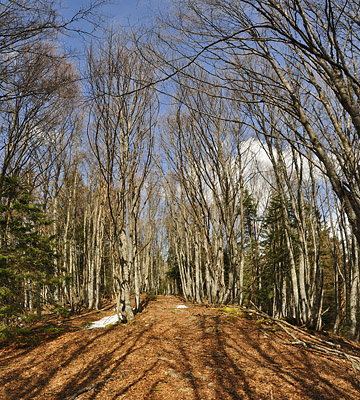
[26, 253]
[251, 245]
[275, 262]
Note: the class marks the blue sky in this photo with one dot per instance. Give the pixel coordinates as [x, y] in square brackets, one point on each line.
[122, 13]
[133, 11]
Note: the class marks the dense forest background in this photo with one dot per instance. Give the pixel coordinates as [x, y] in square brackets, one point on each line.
[213, 154]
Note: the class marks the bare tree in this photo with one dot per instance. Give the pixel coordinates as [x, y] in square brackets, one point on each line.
[205, 157]
[294, 55]
[298, 57]
[121, 131]
[35, 119]
[37, 81]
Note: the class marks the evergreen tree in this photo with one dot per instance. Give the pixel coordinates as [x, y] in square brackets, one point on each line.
[272, 294]
[26, 253]
[251, 245]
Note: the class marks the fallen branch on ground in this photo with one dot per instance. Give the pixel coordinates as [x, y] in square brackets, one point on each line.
[315, 343]
[88, 389]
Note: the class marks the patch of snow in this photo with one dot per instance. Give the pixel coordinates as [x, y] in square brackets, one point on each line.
[103, 322]
[181, 306]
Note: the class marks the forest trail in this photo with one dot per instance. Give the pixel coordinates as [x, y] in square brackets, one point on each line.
[198, 352]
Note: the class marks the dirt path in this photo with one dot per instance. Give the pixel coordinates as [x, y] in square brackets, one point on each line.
[168, 353]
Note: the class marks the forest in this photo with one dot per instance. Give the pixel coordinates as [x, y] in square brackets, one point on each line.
[212, 154]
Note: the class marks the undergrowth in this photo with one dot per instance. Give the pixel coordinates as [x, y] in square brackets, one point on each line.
[29, 330]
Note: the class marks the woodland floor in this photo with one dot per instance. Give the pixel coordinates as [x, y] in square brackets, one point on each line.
[198, 352]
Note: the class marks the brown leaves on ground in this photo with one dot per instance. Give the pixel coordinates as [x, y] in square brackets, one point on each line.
[167, 353]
